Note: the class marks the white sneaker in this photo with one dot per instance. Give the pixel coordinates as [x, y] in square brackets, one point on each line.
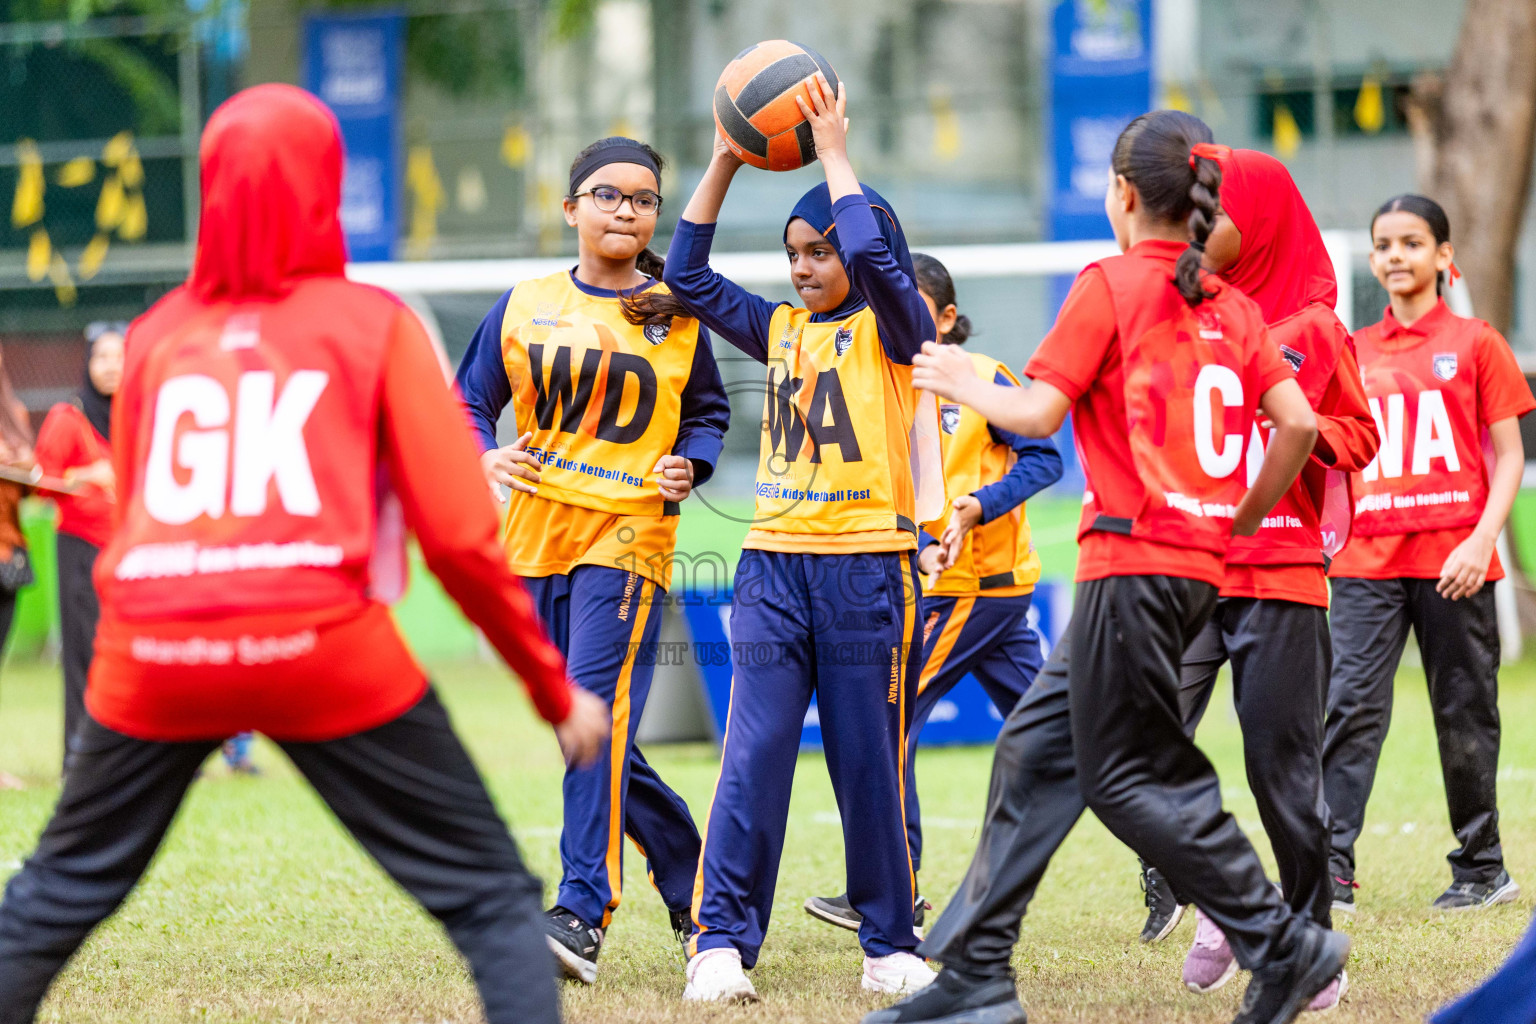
[896, 974]
[715, 976]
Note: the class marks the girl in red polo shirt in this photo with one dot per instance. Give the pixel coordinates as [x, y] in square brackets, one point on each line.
[72, 444]
[1163, 370]
[1271, 622]
[1447, 397]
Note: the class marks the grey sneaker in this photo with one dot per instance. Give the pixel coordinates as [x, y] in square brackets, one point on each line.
[1477, 895]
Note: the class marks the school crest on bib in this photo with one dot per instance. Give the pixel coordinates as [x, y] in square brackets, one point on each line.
[1444, 365]
[657, 333]
[843, 340]
[949, 418]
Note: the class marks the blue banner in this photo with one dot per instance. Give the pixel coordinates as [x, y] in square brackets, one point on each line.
[964, 715]
[1101, 79]
[353, 62]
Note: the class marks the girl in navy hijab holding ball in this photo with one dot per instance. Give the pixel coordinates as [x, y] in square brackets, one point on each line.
[826, 600]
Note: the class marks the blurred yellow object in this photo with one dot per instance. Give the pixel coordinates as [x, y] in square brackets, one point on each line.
[79, 171]
[1370, 110]
[1287, 132]
[118, 149]
[27, 205]
[135, 219]
[39, 248]
[515, 146]
[131, 171]
[94, 256]
[63, 284]
[110, 205]
[427, 198]
[1176, 97]
[946, 128]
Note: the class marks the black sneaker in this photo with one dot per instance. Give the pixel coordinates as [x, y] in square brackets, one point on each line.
[837, 911]
[1279, 991]
[682, 926]
[1344, 895]
[1164, 911]
[574, 943]
[954, 998]
[1477, 895]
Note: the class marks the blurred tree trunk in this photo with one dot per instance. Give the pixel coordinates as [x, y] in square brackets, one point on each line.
[1473, 128]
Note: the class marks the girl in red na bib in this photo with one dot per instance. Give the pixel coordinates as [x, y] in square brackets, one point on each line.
[1444, 390]
[1164, 371]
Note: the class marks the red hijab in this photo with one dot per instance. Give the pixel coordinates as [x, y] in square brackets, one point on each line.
[271, 177]
[1282, 264]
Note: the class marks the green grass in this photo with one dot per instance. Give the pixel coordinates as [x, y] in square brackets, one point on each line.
[260, 909]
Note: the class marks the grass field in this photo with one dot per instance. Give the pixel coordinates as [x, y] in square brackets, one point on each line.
[260, 909]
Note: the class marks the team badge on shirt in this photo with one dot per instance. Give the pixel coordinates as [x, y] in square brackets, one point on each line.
[1444, 365]
[1293, 357]
[843, 341]
[657, 333]
[949, 418]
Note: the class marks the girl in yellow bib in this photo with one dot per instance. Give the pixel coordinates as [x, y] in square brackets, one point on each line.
[825, 599]
[620, 411]
[979, 566]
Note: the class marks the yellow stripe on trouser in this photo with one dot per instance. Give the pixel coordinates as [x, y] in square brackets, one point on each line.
[908, 624]
[698, 877]
[946, 642]
[618, 752]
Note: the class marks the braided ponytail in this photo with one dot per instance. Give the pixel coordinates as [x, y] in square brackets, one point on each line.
[1204, 195]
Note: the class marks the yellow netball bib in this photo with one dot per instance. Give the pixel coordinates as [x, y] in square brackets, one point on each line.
[834, 471]
[602, 397]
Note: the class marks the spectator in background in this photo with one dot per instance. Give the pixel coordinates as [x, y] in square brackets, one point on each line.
[15, 565]
[74, 444]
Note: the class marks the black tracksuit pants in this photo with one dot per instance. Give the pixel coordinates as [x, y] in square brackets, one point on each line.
[1102, 727]
[1459, 641]
[407, 791]
[1280, 655]
[78, 613]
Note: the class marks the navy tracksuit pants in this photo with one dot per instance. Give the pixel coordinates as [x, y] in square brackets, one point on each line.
[606, 622]
[845, 628]
[988, 637]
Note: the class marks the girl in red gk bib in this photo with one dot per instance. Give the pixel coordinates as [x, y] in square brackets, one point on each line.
[268, 409]
[1164, 370]
[1447, 398]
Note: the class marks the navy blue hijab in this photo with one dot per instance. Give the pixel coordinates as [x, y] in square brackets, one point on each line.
[815, 208]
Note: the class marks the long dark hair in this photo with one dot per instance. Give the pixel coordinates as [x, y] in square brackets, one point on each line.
[1153, 153]
[933, 279]
[1427, 210]
[647, 307]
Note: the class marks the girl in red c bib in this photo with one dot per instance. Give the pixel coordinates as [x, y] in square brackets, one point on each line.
[1271, 622]
[1164, 372]
[1444, 390]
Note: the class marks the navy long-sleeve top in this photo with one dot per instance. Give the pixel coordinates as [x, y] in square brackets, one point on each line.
[706, 411]
[1037, 467]
[741, 317]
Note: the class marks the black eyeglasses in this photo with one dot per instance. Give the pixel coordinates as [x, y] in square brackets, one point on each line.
[608, 199]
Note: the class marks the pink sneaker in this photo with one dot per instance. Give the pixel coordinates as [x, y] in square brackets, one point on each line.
[1330, 997]
[1210, 963]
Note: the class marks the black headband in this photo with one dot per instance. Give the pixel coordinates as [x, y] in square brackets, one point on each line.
[618, 150]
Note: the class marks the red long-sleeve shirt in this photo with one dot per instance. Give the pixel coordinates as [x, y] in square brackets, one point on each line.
[320, 673]
[68, 441]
